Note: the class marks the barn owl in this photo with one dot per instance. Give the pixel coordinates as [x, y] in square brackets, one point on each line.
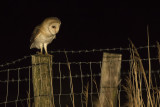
[45, 33]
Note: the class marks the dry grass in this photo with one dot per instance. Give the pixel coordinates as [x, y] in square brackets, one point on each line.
[158, 47]
[85, 93]
[134, 86]
[97, 103]
[71, 82]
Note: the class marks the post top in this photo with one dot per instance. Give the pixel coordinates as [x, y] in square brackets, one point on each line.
[41, 55]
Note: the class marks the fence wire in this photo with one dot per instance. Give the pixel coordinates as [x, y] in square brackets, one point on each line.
[16, 83]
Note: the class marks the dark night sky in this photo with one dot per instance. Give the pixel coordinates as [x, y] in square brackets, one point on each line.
[85, 25]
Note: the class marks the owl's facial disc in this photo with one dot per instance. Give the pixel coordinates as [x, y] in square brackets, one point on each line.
[54, 28]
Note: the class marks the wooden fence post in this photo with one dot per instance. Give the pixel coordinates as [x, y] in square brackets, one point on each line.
[110, 78]
[42, 80]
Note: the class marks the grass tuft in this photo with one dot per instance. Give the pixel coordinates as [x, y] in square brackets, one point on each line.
[133, 86]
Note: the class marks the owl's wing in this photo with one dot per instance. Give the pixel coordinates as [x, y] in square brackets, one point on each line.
[35, 34]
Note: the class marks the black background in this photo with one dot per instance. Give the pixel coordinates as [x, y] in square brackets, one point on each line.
[85, 24]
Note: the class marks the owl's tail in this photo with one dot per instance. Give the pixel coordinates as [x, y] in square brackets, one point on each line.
[31, 46]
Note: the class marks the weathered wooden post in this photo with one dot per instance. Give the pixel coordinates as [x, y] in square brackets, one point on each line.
[42, 80]
[110, 78]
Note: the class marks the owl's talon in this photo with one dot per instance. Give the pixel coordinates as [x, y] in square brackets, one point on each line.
[47, 54]
[39, 53]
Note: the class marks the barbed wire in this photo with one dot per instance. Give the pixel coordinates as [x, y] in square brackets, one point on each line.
[79, 51]
[14, 69]
[67, 94]
[101, 50]
[68, 77]
[57, 77]
[15, 61]
[66, 63]
[99, 62]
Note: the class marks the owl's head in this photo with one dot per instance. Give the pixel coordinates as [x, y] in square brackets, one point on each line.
[52, 24]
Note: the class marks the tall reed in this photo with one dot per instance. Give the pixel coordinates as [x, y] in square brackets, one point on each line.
[133, 86]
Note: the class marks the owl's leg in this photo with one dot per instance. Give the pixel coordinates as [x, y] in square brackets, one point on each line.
[45, 48]
[41, 46]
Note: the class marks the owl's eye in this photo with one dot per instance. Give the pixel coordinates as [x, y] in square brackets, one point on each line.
[53, 26]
